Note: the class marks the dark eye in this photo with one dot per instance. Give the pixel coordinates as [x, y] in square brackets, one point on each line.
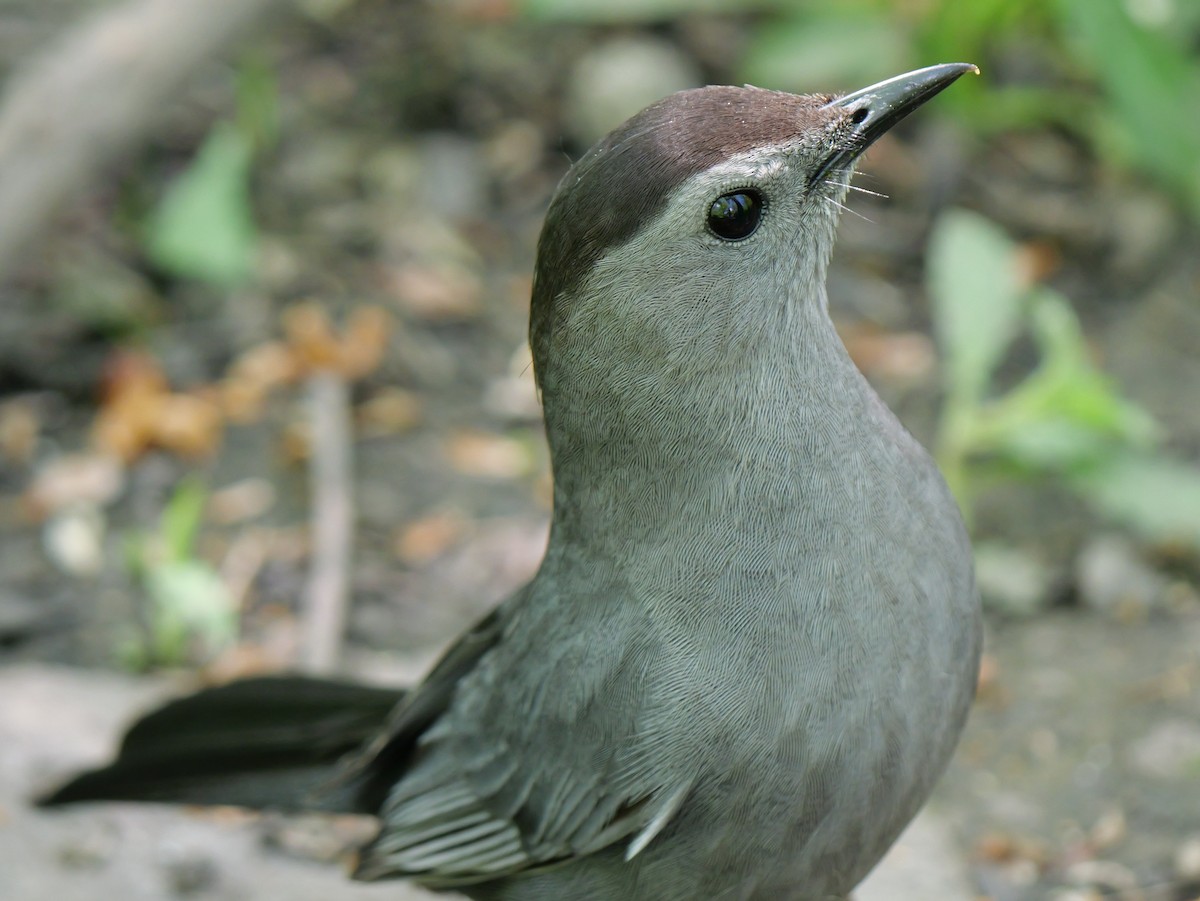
[736, 215]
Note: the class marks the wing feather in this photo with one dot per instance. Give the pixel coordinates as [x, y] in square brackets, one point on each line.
[476, 798]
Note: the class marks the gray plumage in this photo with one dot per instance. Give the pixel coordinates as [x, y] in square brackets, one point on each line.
[752, 643]
[751, 646]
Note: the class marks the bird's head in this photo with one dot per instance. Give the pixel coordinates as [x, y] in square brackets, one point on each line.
[701, 224]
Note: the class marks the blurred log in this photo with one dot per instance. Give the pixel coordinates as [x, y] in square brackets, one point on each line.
[94, 93]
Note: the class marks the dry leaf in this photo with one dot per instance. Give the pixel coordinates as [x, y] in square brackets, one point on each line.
[134, 391]
[489, 456]
[908, 356]
[389, 412]
[1037, 261]
[139, 411]
[119, 436]
[244, 660]
[996, 848]
[269, 365]
[365, 341]
[436, 291]
[19, 431]
[241, 501]
[423, 541]
[189, 425]
[296, 443]
[310, 336]
[242, 400]
[131, 373]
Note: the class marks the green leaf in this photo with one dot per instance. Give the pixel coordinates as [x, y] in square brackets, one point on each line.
[1066, 414]
[1052, 445]
[1067, 385]
[976, 298]
[1154, 85]
[258, 102]
[204, 227]
[1155, 495]
[635, 10]
[189, 602]
[830, 52]
[181, 519]
[953, 30]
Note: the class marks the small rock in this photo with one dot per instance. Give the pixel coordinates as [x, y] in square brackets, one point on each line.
[241, 501]
[191, 875]
[317, 837]
[21, 617]
[1106, 874]
[440, 172]
[322, 165]
[488, 456]
[1187, 859]
[1075, 894]
[1146, 222]
[1171, 750]
[422, 541]
[390, 411]
[1109, 830]
[452, 176]
[431, 269]
[1010, 580]
[74, 540]
[619, 77]
[73, 479]
[1111, 578]
[924, 863]
[514, 395]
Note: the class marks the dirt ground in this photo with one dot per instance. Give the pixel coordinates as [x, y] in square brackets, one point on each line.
[415, 157]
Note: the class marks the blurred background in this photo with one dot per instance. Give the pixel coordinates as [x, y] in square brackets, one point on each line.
[264, 276]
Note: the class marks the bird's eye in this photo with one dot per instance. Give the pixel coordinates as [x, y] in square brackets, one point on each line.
[736, 215]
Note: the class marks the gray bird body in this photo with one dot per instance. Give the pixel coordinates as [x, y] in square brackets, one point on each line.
[753, 641]
[783, 665]
[754, 637]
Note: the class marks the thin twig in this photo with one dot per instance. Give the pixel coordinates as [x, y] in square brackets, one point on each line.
[331, 475]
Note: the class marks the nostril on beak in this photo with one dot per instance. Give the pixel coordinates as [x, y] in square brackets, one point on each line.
[860, 115]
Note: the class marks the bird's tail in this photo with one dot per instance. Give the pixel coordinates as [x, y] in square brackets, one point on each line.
[264, 743]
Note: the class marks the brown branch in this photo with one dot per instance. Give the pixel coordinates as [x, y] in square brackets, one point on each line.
[94, 93]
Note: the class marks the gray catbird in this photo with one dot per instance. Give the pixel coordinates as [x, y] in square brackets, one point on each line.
[754, 638]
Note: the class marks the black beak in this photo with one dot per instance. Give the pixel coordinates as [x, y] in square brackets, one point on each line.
[876, 109]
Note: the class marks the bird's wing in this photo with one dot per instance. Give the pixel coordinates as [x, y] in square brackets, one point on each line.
[371, 771]
[450, 834]
[503, 782]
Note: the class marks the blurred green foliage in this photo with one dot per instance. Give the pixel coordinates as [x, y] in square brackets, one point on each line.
[1065, 418]
[203, 227]
[1151, 77]
[1120, 74]
[189, 612]
[644, 11]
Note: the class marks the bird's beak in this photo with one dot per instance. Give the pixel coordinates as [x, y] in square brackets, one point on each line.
[876, 109]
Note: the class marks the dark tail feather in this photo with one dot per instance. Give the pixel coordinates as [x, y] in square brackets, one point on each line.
[259, 743]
